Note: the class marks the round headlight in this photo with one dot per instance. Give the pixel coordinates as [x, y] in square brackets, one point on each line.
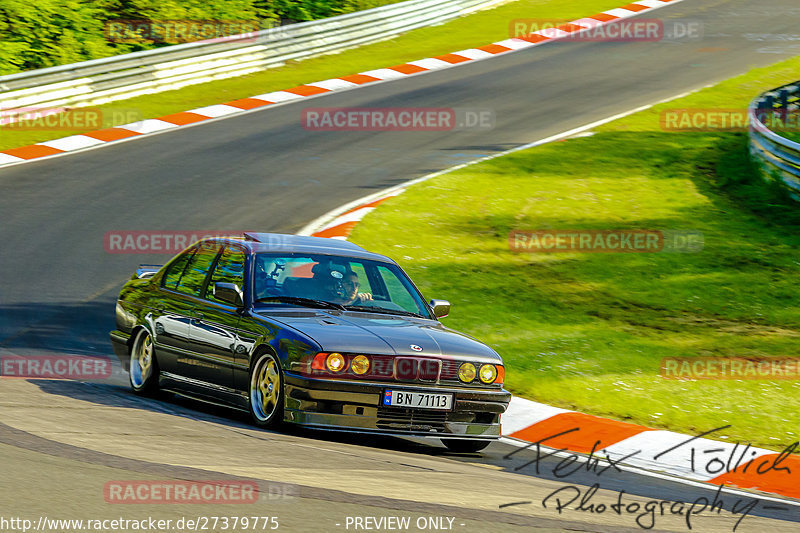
[335, 362]
[488, 374]
[466, 372]
[360, 364]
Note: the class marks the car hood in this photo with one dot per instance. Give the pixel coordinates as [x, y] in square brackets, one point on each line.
[384, 335]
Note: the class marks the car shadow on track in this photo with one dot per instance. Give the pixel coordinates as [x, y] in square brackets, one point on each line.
[501, 455]
[112, 395]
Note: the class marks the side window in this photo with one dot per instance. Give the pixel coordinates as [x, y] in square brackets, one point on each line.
[397, 292]
[229, 269]
[175, 272]
[194, 274]
[363, 280]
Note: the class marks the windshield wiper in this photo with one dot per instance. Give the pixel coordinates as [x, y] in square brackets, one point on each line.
[310, 302]
[382, 310]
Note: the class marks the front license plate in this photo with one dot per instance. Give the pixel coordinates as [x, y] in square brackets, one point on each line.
[417, 400]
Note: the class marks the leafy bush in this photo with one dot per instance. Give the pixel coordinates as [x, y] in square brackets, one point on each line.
[57, 32]
[51, 32]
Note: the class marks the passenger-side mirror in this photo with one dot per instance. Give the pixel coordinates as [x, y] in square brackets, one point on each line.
[441, 308]
[228, 293]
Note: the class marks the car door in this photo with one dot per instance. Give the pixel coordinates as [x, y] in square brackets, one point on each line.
[171, 313]
[185, 292]
[213, 335]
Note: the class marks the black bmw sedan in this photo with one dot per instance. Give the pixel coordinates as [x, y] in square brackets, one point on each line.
[314, 331]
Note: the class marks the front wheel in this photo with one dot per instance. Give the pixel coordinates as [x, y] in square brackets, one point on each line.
[266, 392]
[143, 365]
[464, 445]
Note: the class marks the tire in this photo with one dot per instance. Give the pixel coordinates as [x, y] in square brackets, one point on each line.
[465, 446]
[265, 395]
[143, 372]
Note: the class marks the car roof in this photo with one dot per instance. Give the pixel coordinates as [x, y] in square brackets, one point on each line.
[281, 243]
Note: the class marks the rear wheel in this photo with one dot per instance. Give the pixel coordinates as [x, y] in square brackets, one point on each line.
[266, 391]
[464, 445]
[143, 370]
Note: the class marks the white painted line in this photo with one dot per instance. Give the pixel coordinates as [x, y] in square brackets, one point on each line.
[334, 84]
[313, 226]
[620, 13]
[473, 53]
[149, 125]
[73, 142]
[6, 158]
[552, 33]
[588, 23]
[430, 63]
[515, 44]
[384, 74]
[214, 111]
[277, 96]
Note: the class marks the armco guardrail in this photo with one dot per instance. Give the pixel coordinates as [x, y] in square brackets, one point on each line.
[777, 157]
[103, 80]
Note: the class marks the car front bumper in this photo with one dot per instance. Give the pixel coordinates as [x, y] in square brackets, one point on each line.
[355, 405]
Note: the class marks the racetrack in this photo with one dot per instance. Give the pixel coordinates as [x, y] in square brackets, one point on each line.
[62, 441]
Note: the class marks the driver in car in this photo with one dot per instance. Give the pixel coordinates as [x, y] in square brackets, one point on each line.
[342, 288]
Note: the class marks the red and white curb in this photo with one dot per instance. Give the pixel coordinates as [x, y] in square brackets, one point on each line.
[99, 138]
[687, 457]
[665, 452]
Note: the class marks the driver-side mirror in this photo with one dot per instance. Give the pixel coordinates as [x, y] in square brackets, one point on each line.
[441, 308]
[229, 293]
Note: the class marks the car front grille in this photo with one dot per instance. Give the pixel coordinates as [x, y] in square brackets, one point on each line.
[410, 419]
[449, 370]
[425, 419]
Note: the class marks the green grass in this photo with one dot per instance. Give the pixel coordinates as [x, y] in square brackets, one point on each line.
[588, 331]
[477, 29]
[791, 134]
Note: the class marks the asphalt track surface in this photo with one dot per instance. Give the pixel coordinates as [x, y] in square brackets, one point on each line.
[60, 442]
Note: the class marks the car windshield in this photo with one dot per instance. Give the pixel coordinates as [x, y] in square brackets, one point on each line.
[329, 281]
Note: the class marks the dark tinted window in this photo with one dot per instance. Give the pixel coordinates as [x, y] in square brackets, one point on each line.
[353, 282]
[399, 292]
[194, 275]
[229, 269]
[175, 271]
